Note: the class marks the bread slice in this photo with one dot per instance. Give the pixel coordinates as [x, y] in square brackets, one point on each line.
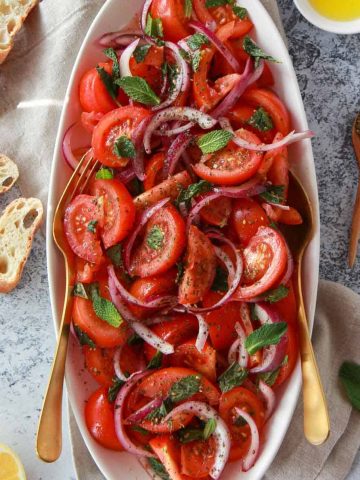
[12, 15]
[9, 173]
[18, 224]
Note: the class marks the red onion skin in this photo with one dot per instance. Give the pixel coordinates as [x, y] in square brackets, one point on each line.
[269, 397]
[174, 153]
[202, 334]
[137, 138]
[117, 39]
[144, 411]
[126, 176]
[66, 147]
[253, 452]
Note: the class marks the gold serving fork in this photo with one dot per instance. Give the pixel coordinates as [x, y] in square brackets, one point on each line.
[49, 434]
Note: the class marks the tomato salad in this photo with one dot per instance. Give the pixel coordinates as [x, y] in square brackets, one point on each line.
[183, 299]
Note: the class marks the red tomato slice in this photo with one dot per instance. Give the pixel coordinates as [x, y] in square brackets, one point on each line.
[287, 307]
[85, 271]
[100, 363]
[290, 217]
[83, 216]
[187, 355]
[99, 417]
[247, 216]
[150, 68]
[197, 458]
[240, 435]
[200, 268]
[265, 260]
[292, 354]
[231, 165]
[153, 258]
[117, 123]
[167, 449]
[89, 120]
[149, 287]
[269, 156]
[119, 210]
[153, 170]
[173, 19]
[240, 116]
[217, 212]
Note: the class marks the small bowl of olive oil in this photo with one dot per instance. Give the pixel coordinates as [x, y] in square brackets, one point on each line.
[338, 16]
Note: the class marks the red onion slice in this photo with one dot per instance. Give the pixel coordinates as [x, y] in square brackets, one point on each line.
[125, 58]
[203, 333]
[119, 416]
[117, 39]
[237, 351]
[176, 113]
[137, 139]
[125, 176]
[269, 397]
[221, 433]
[175, 131]
[218, 44]
[67, 151]
[143, 20]
[177, 148]
[279, 205]
[143, 412]
[248, 77]
[144, 218]
[289, 269]
[253, 452]
[117, 367]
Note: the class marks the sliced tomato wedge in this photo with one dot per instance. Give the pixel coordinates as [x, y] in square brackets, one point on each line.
[240, 117]
[89, 120]
[99, 417]
[187, 355]
[153, 170]
[100, 363]
[292, 356]
[83, 217]
[162, 244]
[217, 212]
[265, 260]
[246, 218]
[86, 272]
[230, 165]
[197, 458]
[173, 18]
[117, 123]
[119, 210]
[167, 449]
[290, 217]
[150, 68]
[200, 268]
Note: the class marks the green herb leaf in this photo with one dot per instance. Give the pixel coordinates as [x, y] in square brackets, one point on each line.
[184, 388]
[267, 334]
[114, 389]
[188, 7]
[214, 141]
[195, 60]
[140, 53]
[261, 120]
[209, 428]
[256, 52]
[186, 435]
[91, 226]
[134, 339]
[240, 12]
[155, 238]
[79, 290]
[159, 413]
[105, 309]
[220, 283]
[138, 89]
[232, 377]
[156, 361]
[158, 468]
[349, 374]
[274, 194]
[216, 3]
[180, 272]
[273, 296]
[269, 377]
[197, 40]
[274, 225]
[110, 53]
[108, 82]
[186, 194]
[83, 337]
[154, 28]
[173, 72]
[123, 147]
[104, 173]
[115, 255]
[137, 428]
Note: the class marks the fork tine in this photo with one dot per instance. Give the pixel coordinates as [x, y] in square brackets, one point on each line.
[88, 177]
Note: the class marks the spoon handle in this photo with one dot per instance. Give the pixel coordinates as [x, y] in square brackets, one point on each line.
[355, 230]
[316, 417]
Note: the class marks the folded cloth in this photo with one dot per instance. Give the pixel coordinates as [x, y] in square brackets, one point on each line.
[336, 337]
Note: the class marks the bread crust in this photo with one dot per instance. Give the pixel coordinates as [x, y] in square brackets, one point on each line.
[9, 173]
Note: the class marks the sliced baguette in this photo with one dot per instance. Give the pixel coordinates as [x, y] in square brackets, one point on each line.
[12, 16]
[18, 224]
[9, 173]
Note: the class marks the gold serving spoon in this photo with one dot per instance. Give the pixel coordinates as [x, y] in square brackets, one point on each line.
[355, 227]
[316, 417]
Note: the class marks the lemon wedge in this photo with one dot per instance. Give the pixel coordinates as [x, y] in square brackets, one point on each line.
[10, 465]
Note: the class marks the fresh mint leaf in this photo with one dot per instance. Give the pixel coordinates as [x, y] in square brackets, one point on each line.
[184, 388]
[137, 428]
[104, 173]
[159, 413]
[155, 238]
[197, 40]
[114, 253]
[138, 89]
[232, 377]
[180, 272]
[261, 120]
[79, 290]
[186, 435]
[209, 428]
[267, 334]
[110, 53]
[220, 283]
[173, 72]
[156, 361]
[349, 374]
[277, 294]
[214, 141]
[105, 309]
[186, 194]
[216, 3]
[256, 52]
[274, 194]
[140, 53]
[108, 81]
[269, 377]
[91, 226]
[83, 337]
[240, 12]
[158, 468]
[123, 147]
[114, 389]
[195, 60]
[154, 28]
[188, 7]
